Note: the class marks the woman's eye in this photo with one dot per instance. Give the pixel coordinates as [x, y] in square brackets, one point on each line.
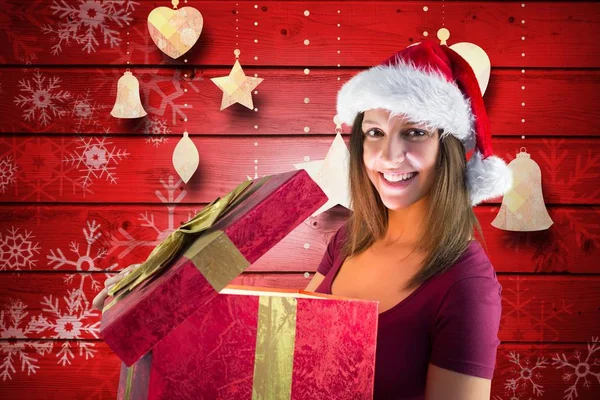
[416, 134]
[372, 133]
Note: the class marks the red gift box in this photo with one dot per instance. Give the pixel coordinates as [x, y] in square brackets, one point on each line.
[152, 302]
[263, 344]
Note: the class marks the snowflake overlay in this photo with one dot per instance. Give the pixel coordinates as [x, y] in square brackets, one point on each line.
[156, 130]
[579, 370]
[542, 316]
[526, 375]
[68, 323]
[84, 262]
[513, 395]
[169, 90]
[41, 98]
[95, 159]
[85, 22]
[173, 195]
[70, 320]
[13, 351]
[17, 250]
[85, 114]
[7, 173]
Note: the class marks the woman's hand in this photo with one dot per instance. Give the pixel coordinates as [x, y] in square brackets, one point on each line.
[98, 301]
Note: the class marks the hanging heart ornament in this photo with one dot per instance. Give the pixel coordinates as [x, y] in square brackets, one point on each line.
[175, 31]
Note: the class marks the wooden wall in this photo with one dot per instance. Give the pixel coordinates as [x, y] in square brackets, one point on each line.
[83, 195]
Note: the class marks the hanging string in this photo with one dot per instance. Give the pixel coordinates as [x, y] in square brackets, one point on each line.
[523, 73]
[186, 157]
[306, 70]
[128, 104]
[336, 119]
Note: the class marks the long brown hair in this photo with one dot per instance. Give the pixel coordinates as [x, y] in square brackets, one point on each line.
[449, 222]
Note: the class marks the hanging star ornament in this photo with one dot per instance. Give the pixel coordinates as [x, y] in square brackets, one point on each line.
[332, 174]
[237, 87]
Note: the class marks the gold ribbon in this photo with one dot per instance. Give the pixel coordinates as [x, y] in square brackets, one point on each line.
[129, 382]
[274, 352]
[275, 343]
[165, 252]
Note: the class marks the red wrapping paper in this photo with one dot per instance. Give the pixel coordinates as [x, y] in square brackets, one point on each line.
[212, 354]
[271, 209]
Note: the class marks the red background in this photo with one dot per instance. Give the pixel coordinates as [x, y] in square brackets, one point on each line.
[66, 225]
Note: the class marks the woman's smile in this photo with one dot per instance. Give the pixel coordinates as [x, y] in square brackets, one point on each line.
[397, 181]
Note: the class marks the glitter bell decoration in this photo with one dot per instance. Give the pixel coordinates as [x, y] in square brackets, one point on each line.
[523, 208]
[128, 103]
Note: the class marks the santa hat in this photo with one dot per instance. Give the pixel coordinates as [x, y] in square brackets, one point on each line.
[435, 86]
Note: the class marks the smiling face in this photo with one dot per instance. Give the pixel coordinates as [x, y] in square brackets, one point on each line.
[399, 157]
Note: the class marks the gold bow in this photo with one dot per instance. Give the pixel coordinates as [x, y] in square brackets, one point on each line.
[165, 252]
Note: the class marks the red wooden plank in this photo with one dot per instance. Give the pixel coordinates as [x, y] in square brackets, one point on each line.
[522, 371]
[557, 34]
[534, 308]
[125, 169]
[126, 234]
[556, 102]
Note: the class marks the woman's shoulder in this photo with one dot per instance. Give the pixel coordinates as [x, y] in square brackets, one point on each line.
[339, 237]
[473, 263]
[333, 251]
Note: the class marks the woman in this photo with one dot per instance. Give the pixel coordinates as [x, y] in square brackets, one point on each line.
[410, 240]
[409, 243]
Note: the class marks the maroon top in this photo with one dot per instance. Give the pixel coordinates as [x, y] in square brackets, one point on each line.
[451, 321]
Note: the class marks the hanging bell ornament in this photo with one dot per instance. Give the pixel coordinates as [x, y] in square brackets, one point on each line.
[523, 208]
[185, 157]
[128, 103]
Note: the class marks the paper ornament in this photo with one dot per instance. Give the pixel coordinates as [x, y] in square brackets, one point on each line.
[175, 31]
[237, 87]
[128, 103]
[474, 55]
[333, 173]
[523, 208]
[185, 157]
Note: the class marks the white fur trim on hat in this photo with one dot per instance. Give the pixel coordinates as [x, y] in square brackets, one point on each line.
[487, 178]
[424, 96]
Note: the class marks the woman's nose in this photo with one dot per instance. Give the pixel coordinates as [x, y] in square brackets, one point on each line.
[394, 150]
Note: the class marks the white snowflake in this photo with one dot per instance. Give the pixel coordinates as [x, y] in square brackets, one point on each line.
[7, 173]
[42, 98]
[579, 370]
[17, 250]
[513, 395]
[85, 113]
[13, 351]
[68, 323]
[526, 375]
[84, 261]
[156, 130]
[173, 195]
[95, 159]
[87, 20]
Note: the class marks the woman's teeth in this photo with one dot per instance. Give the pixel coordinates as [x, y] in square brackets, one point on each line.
[398, 177]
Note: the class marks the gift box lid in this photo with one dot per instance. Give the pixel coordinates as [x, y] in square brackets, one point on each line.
[203, 256]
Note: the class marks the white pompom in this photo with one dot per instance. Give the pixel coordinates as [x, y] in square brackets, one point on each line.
[487, 178]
